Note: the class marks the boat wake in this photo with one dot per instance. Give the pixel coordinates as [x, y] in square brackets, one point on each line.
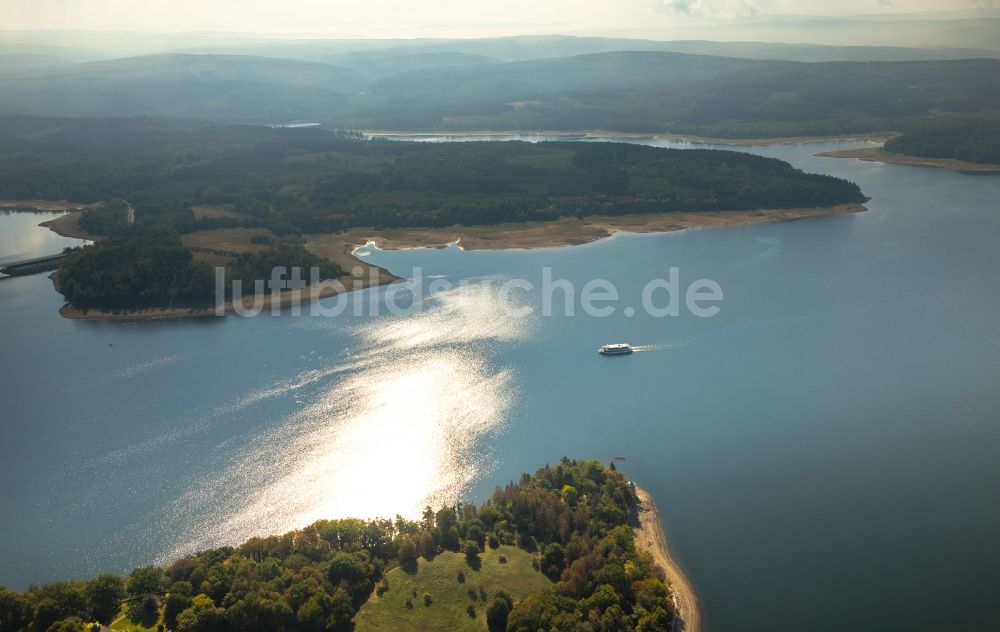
[659, 347]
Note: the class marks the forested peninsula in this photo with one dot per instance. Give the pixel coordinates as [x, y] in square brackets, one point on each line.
[562, 549]
[967, 143]
[245, 197]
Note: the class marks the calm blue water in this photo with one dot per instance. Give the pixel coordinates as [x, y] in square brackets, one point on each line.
[21, 237]
[825, 450]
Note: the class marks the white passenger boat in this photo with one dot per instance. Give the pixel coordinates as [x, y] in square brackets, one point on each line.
[620, 348]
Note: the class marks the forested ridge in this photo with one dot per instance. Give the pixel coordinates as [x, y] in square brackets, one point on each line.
[313, 180]
[572, 517]
[629, 90]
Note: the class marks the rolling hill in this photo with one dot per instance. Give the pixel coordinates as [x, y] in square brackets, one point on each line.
[198, 86]
[423, 88]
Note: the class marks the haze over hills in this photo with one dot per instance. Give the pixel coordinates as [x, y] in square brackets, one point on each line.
[870, 30]
[155, 27]
[83, 47]
[518, 48]
[386, 57]
[26, 63]
[232, 87]
[634, 91]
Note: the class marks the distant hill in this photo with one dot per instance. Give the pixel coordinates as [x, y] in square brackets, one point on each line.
[923, 35]
[201, 86]
[26, 63]
[707, 95]
[521, 48]
[382, 63]
[418, 87]
[66, 53]
[177, 66]
[818, 53]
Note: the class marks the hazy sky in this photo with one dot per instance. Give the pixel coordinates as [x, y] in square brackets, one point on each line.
[425, 17]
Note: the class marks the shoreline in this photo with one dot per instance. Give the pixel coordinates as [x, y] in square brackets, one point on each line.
[875, 137]
[42, 206]
[563, 232]
[168, 313]
[68, 225]
[362, 276]
[285, 300]
[879, 154]
[649, 535]
[573, 231]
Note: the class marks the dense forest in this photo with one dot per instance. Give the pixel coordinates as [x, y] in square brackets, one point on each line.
[631, 89]
[137, 272]
[969, 139]
[573, 517]
[145, 264]
[653, 92]
[316, 180]
[313, 180]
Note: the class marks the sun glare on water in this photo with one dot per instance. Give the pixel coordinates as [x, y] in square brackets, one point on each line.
[399, 429]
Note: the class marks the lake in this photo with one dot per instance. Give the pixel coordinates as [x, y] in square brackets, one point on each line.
[824, 450]
[22, 238]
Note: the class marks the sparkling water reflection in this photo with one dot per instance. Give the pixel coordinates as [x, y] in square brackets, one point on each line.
[831, 435]
[417, 398]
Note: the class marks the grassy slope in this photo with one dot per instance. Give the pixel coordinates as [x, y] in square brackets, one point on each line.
[450, 598]
[125, 623]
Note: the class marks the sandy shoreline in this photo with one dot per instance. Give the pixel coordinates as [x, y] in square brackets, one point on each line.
[571, 231]
[876, 137]
[567, 231]
[879, 154]
[650, 536]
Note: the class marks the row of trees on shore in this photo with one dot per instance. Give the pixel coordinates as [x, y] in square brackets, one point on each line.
[573, 516]
[969, 139]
